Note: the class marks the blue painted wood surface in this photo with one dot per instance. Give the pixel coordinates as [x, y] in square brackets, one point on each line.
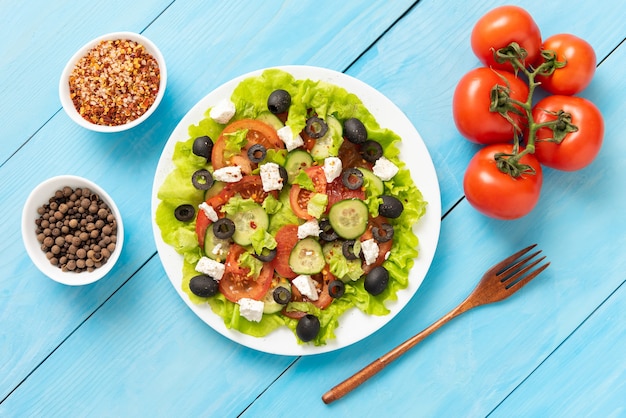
[127, 346]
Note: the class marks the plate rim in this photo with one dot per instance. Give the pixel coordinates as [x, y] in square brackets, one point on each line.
[427, 228]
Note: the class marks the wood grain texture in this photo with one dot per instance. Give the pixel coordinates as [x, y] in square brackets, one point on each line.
[128, 346]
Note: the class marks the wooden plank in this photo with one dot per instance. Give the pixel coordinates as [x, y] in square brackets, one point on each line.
[37, 40]
[124, 164]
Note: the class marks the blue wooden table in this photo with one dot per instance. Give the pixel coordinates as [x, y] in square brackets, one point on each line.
[128, 346]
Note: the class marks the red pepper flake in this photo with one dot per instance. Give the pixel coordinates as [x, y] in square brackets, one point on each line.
[115, 82]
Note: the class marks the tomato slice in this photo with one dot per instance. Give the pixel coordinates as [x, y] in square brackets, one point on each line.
[350, 155]
[286, 239]
[322, 280]
[202, 223]
[236, 284]
[383, 247]
[258, 133]
[299, 197]
[337, 191]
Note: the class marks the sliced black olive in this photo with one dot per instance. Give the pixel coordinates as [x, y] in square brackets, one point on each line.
[308, 327]
[281, 295]
[202, 179]
[283, 174]
[354, 131]
[347, 249]
[203, 286]
[376, 280]
[391, 207]
[315, 127]
[223, 228]
[328, 234]
[202, 147]
[383, 233]
[336, 289]
[279, 101]
[266, 255]
[257, 153]
[371, 151]
[352, 178]
[185, 212]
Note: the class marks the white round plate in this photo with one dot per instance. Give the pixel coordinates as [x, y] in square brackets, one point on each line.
[354, 325]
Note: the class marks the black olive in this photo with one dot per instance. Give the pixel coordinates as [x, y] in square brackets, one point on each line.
[308, 327]
[354, 131]
[376, 280]
[283, 174]
[315, 127]
[203, 286]
[347, 248]
[202, 179]
[336, 289]
[223, 228]
[391, 207]
[383, 233]
[328, 234]
[281, 295]
[352, 178]
[257, 153]
[266, 255]
[203, 147]
[279, 101]
[185, 213]
[371, 151]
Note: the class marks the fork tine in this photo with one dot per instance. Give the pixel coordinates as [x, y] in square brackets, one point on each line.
[502, 265]
[508, 272]
[524, 281]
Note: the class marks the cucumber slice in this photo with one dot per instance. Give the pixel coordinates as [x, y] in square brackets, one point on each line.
[214, 247]
[247, 223]
[271, 119]
[349, 218]
[295, 161]
[270, 306]
[328, 145]
[376, 184]
[214, 190]
[307, 257]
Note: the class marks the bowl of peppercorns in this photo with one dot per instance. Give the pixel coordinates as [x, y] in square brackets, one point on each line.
[72, 230]
[114, 82]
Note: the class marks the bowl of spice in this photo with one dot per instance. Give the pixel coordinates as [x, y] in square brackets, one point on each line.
[113, 82]
[72, 230]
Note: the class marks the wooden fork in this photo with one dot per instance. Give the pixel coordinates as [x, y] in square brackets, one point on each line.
[498, 283]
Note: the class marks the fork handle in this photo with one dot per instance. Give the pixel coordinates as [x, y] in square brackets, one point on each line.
[377, 365]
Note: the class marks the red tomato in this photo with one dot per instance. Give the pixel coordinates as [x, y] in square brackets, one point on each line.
[249, 187]
[322, 280]
[336, 191]
[501, 26]
[471, 102]
[350, 155]
[236, 284]
[580, 59]
[497, 194]
[299, 197]
[578, 149]
[258, 133]
[286, 239]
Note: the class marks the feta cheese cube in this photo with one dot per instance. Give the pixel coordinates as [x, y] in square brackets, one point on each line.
[309, 228]
[286, 135]
[208, 211]
[270, 177]
[306, 285]
[211, 268]
[332, 168]
[223, 111]
[385, 169]
[369, 248]
[229, 174]
[251, 309]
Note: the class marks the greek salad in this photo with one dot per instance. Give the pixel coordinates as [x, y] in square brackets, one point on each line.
[290, 205]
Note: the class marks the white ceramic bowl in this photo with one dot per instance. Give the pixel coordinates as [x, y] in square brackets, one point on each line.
[40, 196]
[64, 88]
